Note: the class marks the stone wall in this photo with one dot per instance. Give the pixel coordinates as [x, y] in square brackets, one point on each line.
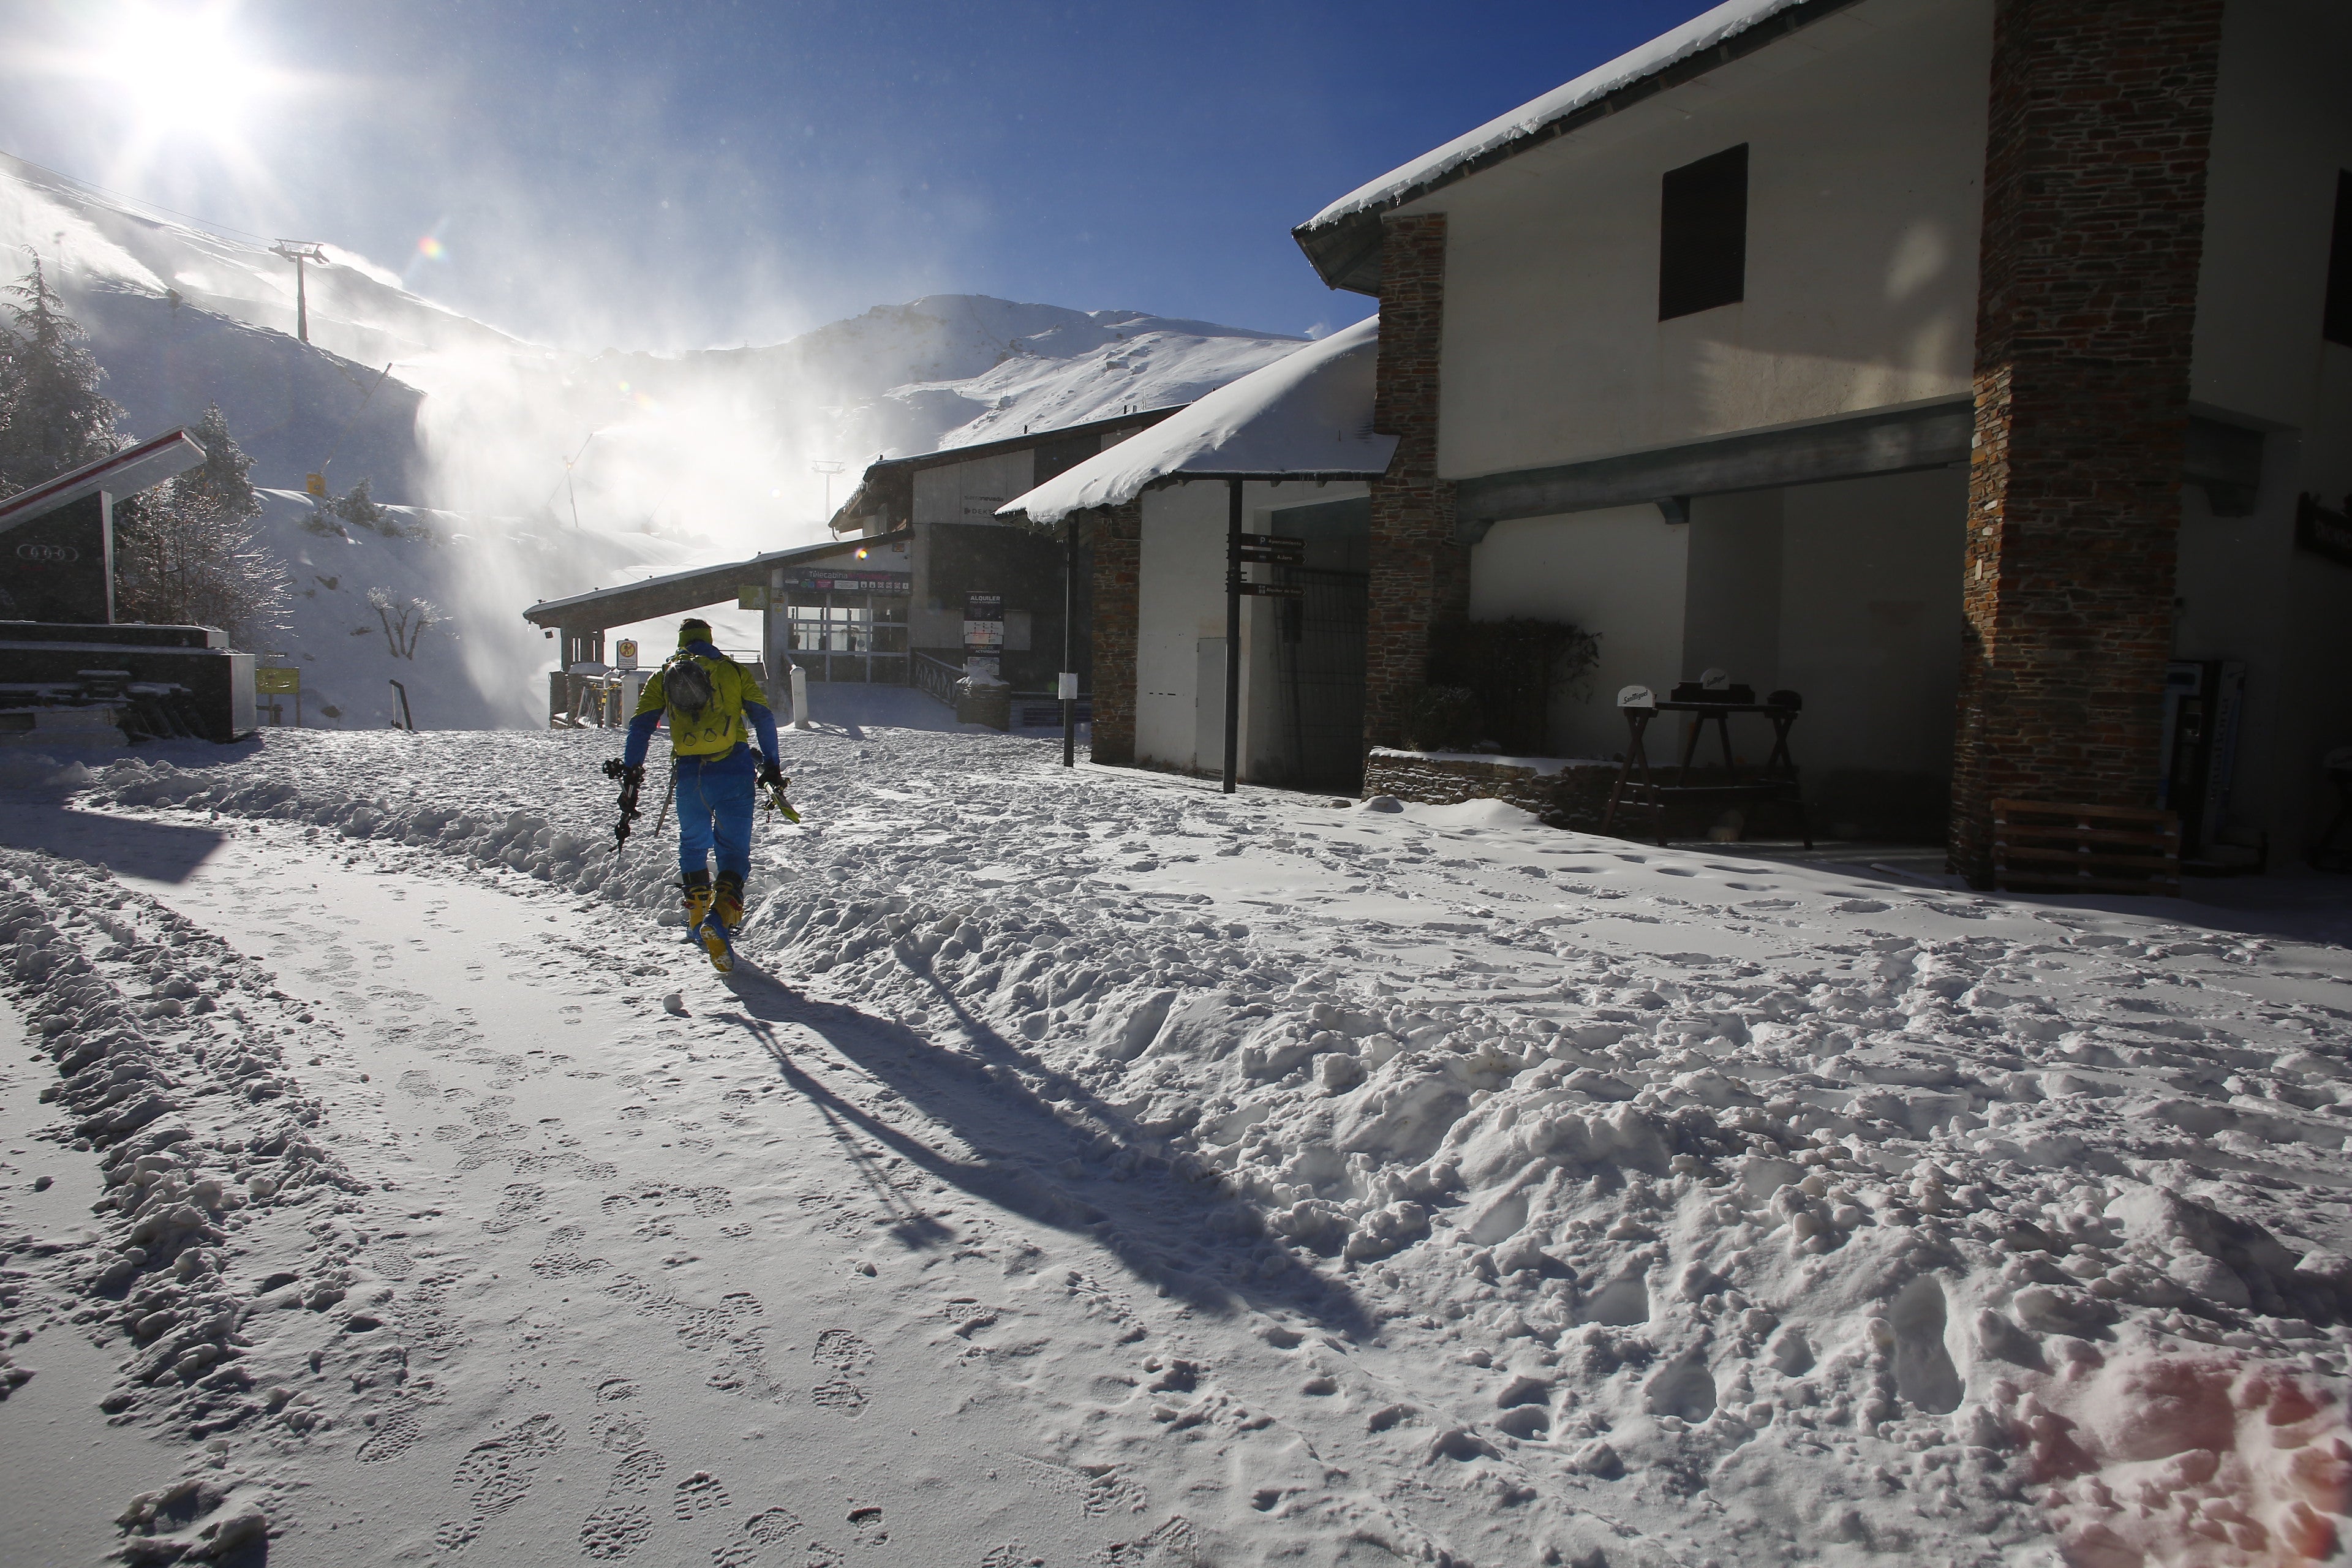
[1420, 575]
[2101, 113]
[1117, 549]
[1574, 797]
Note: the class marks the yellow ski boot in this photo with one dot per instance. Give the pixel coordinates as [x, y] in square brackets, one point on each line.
[719, 927]
[696, 885]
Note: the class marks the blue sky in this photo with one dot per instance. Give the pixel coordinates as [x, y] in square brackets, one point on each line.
[667, 175]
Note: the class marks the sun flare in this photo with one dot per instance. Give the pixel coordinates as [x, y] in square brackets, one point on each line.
[178, 70]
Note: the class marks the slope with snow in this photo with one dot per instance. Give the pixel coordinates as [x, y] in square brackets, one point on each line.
[471, 419]
[1088, 1167]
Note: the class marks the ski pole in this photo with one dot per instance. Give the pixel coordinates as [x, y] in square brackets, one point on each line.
[666, 793]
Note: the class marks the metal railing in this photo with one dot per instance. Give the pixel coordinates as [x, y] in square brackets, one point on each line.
[937, 677]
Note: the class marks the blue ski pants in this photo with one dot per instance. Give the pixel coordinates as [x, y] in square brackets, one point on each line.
[714, 812]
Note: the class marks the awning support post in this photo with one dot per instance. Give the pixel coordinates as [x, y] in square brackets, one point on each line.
[1233, 631]
[1069, 640]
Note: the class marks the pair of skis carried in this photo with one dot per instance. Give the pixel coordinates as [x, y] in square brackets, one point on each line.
[711, 931]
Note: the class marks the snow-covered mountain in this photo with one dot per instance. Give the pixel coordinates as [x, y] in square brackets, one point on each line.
[469, 418]
[670, 459]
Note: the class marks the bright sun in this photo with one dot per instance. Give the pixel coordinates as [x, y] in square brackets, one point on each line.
[178, 69]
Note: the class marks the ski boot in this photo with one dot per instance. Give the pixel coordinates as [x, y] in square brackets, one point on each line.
[716, 929]
[695, 887]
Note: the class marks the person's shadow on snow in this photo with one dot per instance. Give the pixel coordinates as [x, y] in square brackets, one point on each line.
[1026, 1125]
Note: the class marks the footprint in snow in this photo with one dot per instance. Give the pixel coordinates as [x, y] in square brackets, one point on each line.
[623, 1434]
[840, 1395]
[616, 1530]
[699, 1494]
[841, 1350]
[770, 1527]
[637, 1471]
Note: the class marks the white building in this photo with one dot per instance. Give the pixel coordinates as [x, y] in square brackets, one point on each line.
[1718, 350]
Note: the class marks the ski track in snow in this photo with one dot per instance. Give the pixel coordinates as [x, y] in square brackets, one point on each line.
[1087, 1168]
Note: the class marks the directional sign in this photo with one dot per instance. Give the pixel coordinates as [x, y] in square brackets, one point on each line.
[1274, 590]
[270, 680]
[1270, 550]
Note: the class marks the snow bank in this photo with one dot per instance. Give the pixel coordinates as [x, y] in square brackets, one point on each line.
[1736, 1203]
[1308, 413]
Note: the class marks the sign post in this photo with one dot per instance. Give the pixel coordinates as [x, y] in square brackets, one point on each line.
[1243, 550]
[274, 680]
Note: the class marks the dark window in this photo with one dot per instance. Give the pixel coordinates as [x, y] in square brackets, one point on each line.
[2338, 328]
[1703, 235]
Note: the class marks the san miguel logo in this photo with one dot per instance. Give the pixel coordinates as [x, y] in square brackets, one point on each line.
[48, 555]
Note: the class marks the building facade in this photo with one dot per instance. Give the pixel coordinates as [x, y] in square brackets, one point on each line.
[1960, 365]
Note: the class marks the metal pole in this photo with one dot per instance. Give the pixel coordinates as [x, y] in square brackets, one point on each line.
[1069, 640]
[301, 302]
[1233, 631]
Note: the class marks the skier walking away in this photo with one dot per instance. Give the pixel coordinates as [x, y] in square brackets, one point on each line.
[713, 707]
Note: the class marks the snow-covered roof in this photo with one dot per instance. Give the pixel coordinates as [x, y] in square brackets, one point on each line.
[1501, 136]
[1308, 414]
[127, 472]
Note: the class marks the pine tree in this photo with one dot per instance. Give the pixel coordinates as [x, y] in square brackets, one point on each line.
[187, 554]
[221, 481]
[52, 415]
[359, 508]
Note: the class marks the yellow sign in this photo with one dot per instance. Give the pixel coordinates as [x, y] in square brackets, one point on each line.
[753, 597]
[276, 682]
[315, 485]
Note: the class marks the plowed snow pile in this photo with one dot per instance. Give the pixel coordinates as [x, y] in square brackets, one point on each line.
[1434, 1188]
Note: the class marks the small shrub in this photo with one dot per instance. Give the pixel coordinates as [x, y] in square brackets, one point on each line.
[1514, 665]
[1442, 719]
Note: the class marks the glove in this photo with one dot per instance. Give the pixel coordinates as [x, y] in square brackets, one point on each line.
[772, 776]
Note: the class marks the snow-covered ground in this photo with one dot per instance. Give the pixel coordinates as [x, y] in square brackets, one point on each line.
[1085, 1167]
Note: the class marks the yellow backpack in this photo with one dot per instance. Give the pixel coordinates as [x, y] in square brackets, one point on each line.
[705, 702]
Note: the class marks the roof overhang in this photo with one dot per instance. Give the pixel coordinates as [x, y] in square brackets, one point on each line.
[679, 592]
[128, 472]
[1343, 241]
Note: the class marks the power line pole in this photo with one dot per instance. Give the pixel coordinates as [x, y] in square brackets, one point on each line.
[299, 251]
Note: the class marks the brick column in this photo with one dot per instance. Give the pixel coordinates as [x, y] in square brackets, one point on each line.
[1419, 576]
[2094, 233]
[1117, 543]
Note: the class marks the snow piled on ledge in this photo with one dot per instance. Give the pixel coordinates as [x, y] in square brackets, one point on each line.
[1700, 33]
[1662, 1205]
[1309, 412]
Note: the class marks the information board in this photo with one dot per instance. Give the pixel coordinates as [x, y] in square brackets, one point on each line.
[983, 623]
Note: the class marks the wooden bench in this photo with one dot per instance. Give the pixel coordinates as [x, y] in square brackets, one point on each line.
[2054, 846]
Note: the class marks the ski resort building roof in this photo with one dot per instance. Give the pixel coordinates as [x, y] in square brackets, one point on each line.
[886, 494]
[679, 592]
[1306, 416]
[1343, 240]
